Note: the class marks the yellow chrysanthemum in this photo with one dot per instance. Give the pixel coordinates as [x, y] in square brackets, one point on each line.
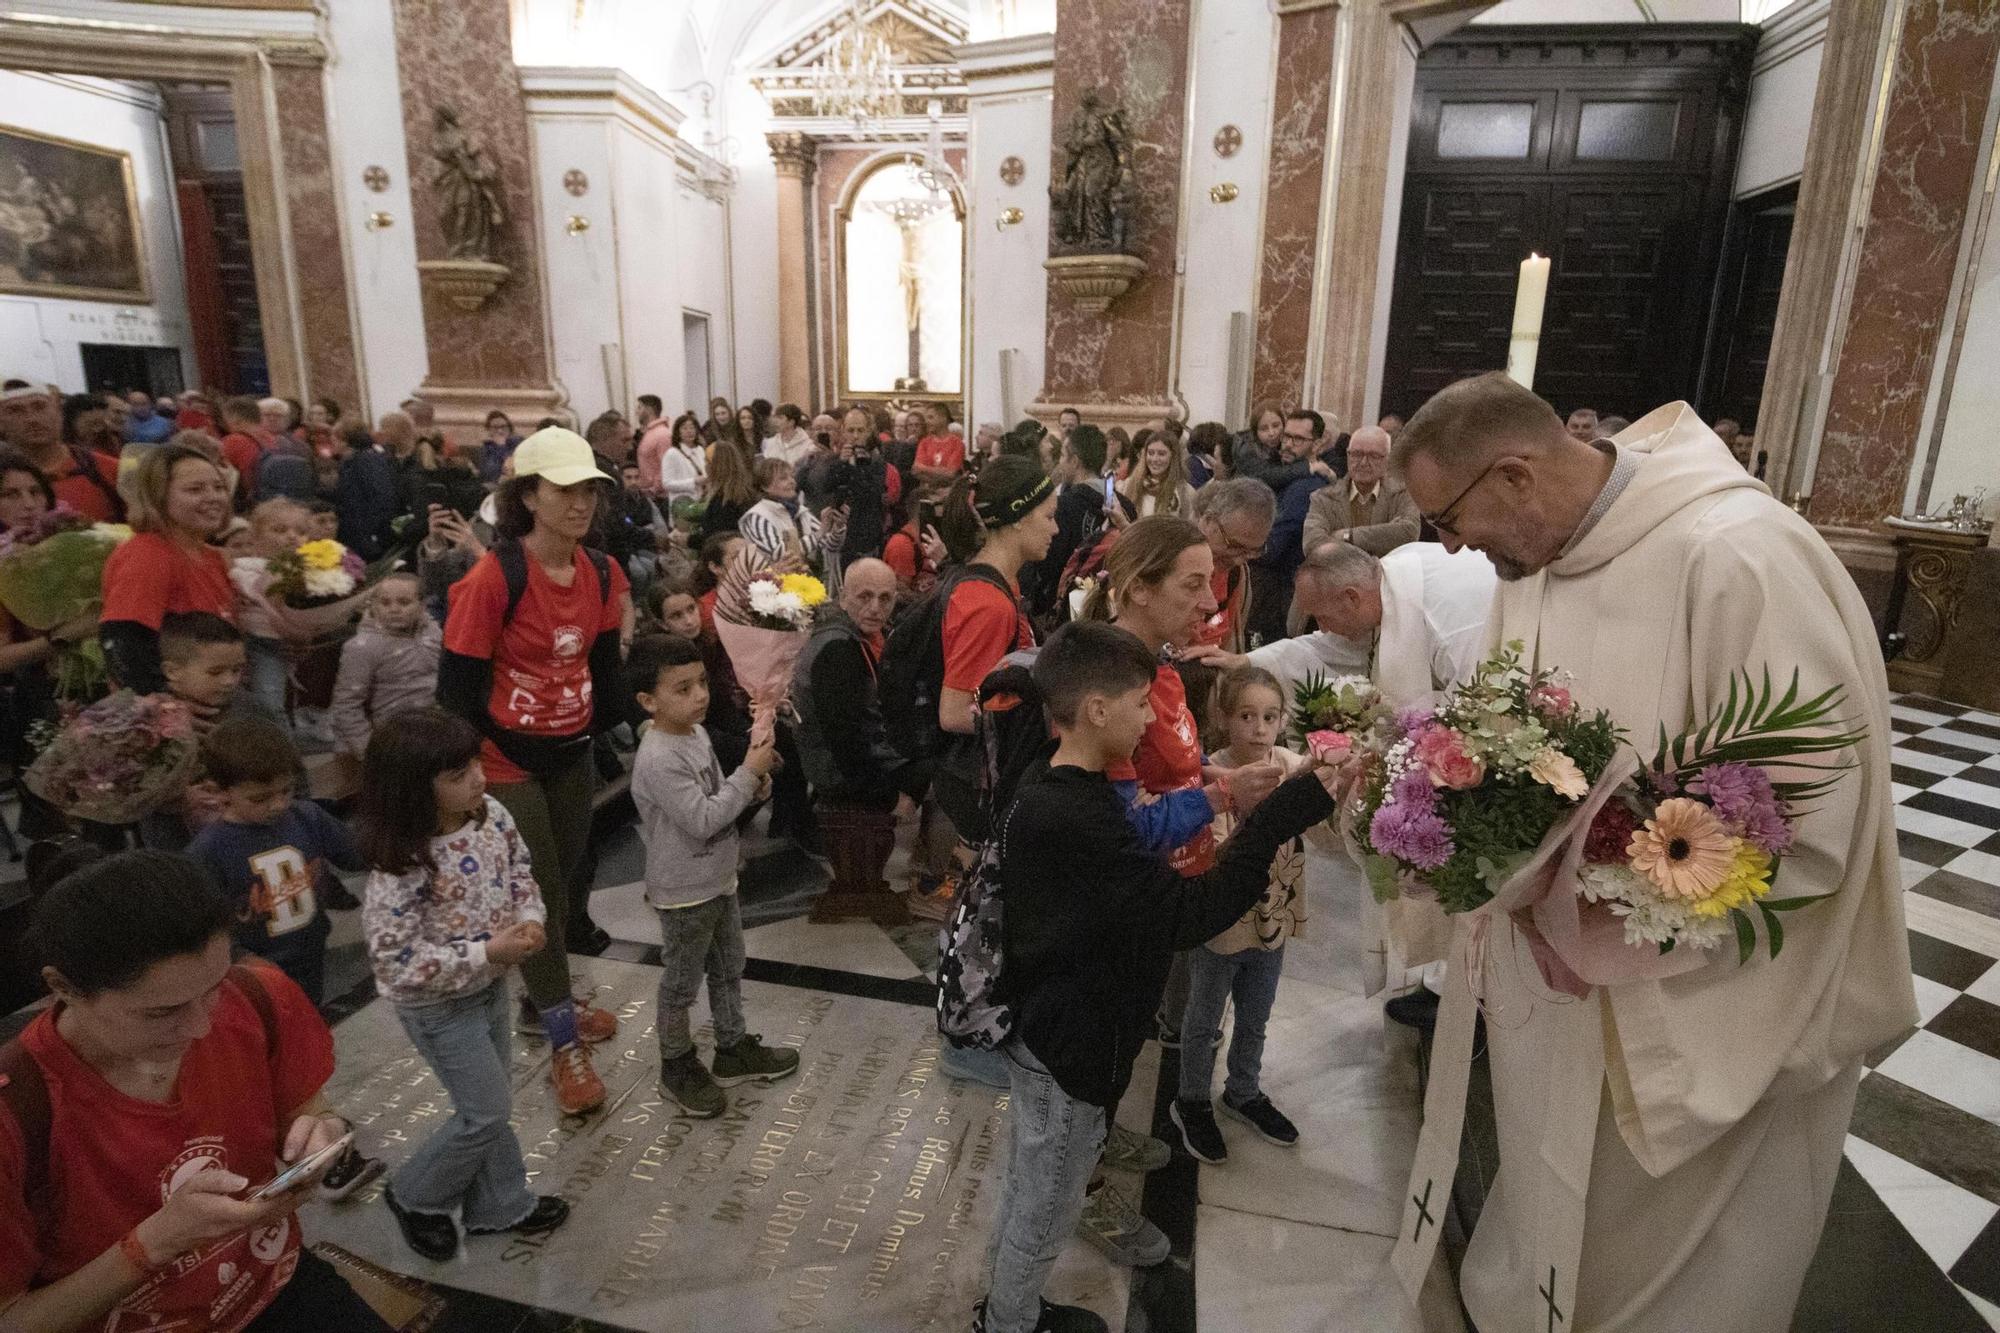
[805, 587]
[322, 554]
[1749, 879]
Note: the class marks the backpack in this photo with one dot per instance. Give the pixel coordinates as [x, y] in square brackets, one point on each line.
[1013, 734]
[910, 676]
[24, 1092]
[1085, 562]
[514, 568]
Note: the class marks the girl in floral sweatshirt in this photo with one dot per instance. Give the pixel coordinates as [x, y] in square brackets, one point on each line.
[452, 904]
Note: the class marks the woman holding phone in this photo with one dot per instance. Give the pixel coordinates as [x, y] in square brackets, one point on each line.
[161, 1071]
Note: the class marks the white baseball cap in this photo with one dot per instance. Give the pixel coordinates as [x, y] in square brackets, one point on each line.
[563, 456]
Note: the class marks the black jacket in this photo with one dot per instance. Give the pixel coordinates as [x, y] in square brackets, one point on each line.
[1092, 920]
[842, 743]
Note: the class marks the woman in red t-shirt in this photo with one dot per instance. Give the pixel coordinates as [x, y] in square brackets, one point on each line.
[535, 667]
[176, 500]
[161, 1072]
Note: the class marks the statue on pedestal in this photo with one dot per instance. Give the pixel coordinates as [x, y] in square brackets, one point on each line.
[469, 210]
[1091, 209]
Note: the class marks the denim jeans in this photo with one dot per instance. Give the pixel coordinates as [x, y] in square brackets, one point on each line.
[268, 675]
[705, 940]
[473, 1159]
[1252, 978]
[1052, 1148]
[975, 1065]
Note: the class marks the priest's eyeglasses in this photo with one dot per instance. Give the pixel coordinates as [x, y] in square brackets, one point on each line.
[1443, 520]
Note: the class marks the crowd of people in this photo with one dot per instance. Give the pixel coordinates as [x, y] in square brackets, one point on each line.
[541, 615]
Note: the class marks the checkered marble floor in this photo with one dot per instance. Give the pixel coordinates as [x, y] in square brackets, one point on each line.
[1926, 1131]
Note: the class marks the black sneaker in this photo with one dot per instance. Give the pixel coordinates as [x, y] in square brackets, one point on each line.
[1169, 1032]
[432, 1235]
[1200, 1135]
[338, 897]
[1053, 1319]
[1418, 1009]
[347, 1175]
[592, 940]
[686, 1080]
[551, 1211]
[751, 1059]
[1266, 1119]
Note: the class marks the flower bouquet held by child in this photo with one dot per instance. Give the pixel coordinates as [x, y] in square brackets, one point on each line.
[314, 589]
[1332, 716]
[117, 760]
[1509, 797]
[764, 619]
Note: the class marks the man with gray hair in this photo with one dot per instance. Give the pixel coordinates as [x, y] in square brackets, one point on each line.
[986, 443]
[1235, 517]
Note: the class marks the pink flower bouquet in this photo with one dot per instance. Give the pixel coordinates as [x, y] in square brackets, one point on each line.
[763, 619]
[119, 759]
[1508, 797]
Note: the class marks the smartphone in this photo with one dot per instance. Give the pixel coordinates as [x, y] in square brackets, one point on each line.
[303, 1169]
[927, 515]
[1110, 492]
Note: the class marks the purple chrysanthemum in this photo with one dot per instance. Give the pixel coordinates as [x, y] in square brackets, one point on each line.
[1741, 796]
[1410, 721]
[1412, 834]
[1414, 789]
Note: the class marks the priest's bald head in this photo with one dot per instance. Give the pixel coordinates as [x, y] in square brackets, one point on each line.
[1339, 585]
[1492, 467]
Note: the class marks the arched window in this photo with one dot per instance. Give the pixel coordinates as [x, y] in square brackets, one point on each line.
[902, 255]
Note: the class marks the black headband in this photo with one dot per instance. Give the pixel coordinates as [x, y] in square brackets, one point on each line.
[1005, 510]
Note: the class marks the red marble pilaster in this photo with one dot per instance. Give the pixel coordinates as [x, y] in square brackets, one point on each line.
[1136, 51]
[317, 263]
[460, 55]
[1301, 109]
[1942, 78]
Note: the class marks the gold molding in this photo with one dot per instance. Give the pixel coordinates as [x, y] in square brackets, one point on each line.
[793, 154]
[143, 294]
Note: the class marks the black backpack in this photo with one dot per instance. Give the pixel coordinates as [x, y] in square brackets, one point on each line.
[514, 568]
[910, 677]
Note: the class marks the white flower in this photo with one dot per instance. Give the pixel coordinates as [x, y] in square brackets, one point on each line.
[328, 583]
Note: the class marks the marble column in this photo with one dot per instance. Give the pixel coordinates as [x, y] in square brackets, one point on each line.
[325, 327]
[1117, 367]
[460, 56]
[1302, 107]
[794, 154]
[1941, 80]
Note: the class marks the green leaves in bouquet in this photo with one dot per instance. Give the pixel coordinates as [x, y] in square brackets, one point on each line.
[1381, 872]
[1757, 726]
[1317, 703]
[1508, 817]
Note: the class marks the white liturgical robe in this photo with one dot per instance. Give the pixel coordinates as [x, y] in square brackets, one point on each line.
[1727, 1089]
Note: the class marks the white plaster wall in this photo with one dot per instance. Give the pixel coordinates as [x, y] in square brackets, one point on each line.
[1235, 65]
[650, 232]
[703, 248]
[1008, 287]
[753, 237]
[365, 110]
[39, 336]
[1968, 448]
[582, 269]
[1779, 116]
[1613, 11]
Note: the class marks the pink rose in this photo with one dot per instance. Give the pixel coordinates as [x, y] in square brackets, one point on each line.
[1332, 747]
[1550, 700]
[1442, 753]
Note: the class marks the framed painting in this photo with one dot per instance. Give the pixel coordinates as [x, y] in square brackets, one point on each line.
[69, 220]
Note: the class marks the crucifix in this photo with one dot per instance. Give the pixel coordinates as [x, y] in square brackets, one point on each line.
[1423, 1211]
[1549, 1296]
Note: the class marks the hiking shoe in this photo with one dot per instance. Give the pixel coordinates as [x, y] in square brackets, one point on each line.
[1266, 1119]
[1169, 1031]
[593, 1024]
[1128, 1150]
[1053, 1319]
[932, 899]
[551, 1211]
[347, 1175]
[578, 1088]
[751, 1059]
[1113, 1225]
[1200, 1135]
[432, 1235]
[686, 1080]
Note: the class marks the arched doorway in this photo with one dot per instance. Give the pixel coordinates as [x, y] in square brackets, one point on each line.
[900, 278]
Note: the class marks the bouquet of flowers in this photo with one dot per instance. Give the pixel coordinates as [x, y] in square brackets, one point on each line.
[119, 759]
[763, 619]
[1330, 717]
[1508, 795]
[52, 571]
[314, 589]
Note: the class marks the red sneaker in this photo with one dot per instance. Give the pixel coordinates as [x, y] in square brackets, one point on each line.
[593, 1024]
[578, 1088]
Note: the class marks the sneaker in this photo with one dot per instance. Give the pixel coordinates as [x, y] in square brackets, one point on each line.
[751, 1059]
[337, 897]
[686, 1080]
[551, 1211]
[1266, 1119]
[578, 1088]
[347, 1175]
[592, 941]
[1169, 1032]
[1128, 1150]
[1200, 1135]
[432, 1235]
[1418, 1009]
[932, 899]
[1113, 1225]
[593, 1024]
[1053, 1319]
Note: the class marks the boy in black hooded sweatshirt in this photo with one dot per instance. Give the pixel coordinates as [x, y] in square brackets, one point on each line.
[1091, 925]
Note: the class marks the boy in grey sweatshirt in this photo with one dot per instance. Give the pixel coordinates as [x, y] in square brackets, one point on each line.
[687, 819]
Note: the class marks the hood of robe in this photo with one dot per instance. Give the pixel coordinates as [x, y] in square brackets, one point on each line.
[1678, 456]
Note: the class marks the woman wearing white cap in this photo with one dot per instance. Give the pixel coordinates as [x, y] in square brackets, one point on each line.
[532, 658]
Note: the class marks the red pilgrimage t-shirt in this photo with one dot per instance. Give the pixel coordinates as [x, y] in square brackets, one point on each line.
[945, 453]
[114, 1159]
[151, 576]
[1169, 759]
[79, 491]
[981, 626]
[541, 658]
[243, 452]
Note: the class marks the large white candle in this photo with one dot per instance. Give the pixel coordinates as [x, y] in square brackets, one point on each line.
[1529, 297]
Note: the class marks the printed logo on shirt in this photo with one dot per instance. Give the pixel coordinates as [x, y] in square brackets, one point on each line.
[283, 895]
[200, 1155]
[567, 642]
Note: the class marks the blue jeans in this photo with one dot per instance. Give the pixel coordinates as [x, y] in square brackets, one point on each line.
[975, 1065]
[472, 1160]
[1252, 978]
[268, 675]
[1052, 1149]
[705, 940]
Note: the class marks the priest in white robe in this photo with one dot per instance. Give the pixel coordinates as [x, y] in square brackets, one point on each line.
[1654, 568]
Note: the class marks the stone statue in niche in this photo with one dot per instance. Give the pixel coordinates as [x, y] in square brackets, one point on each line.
[1091, 208]
[469, 209]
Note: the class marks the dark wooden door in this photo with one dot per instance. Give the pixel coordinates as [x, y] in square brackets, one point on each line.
[1753, 276]
[1612, 155]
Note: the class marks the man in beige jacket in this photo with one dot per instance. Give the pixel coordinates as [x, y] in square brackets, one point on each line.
[1668, 1148]
[1367, 506]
